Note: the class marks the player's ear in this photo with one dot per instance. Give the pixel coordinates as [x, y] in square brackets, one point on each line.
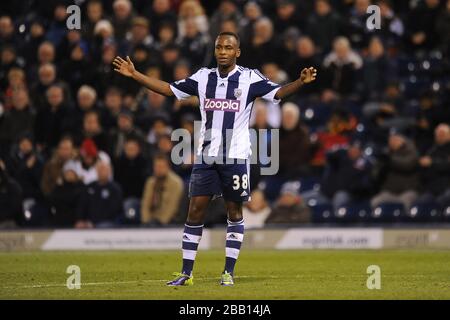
[238, 52]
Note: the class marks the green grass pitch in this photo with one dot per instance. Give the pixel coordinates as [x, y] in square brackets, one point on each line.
[268, 274]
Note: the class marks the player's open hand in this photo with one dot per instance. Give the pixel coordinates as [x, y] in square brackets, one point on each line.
[124, 67]
[308, 75]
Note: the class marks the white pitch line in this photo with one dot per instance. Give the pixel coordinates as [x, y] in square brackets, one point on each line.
[55, 285]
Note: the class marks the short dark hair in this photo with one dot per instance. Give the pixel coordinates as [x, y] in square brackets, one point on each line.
[231, 34]
[161, 156]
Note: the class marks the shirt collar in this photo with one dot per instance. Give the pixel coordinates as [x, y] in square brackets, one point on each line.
[229, 73]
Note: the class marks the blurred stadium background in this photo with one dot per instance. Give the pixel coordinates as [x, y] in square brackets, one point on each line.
[367, 146]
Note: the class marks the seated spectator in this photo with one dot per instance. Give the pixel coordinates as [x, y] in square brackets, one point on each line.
[341, 67]
[101, 202]
[337, 133]
[52, 174]
[51, 120]
[64, 198]
[256, 211]
[192, 9]
[113, 104]
[90, 157]
[92, 129]
[46, 78]
[421, 22]
[400, 178]
[324, 25]
[304, 56]
[125, 128]
[194, 45]
[122, 17]
[293, 161]
[375, 70]
[131, 169]
[10, 200]
[162, 194]
[25, 165]
[262, 48]
[435, 168]
[18, 120]
[348, 175]
[289, 207]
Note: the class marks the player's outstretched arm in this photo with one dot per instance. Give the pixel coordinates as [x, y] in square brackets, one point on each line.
[126, 68]
[307, 75]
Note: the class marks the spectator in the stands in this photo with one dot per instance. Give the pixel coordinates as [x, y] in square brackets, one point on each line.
[355, 25]
[7, 31]
[65, 197]
[289, 207]
[375, 71]
[25, 165]
[392, 27]
[287, 15]
[162, 194]
[113, 104]
[192, 9]
[341, 67]
[294, 162]
[252, 12]
[18, 120]
[122, 16]
[92, 129]
[131, 169]
[421, 23]
[10, 200]
[431, 113]
[52, 175]
[87, 100]
[348, 175]
[8, 61]
[323, 25]
[255, 212]
[16, 81]
[57, 28]
[76, 69]
[305, 55]
[228, 9]
[90, 156]
[160, 14]
[51, 120]
[435, 168]
[443, 28]
[46, 78]
[194, 45]
[101, 202]
[399, 179]
[125, 128]
[94, 14]
[263, 46]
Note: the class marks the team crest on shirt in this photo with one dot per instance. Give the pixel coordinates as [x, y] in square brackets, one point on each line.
[237, 93]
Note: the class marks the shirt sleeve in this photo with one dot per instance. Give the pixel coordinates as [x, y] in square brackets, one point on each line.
[261, 87]
[183, 89]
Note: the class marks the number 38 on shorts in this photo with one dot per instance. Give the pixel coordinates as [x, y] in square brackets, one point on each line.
[230, 180]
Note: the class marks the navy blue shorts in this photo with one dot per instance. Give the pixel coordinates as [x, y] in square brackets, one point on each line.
[232, 181]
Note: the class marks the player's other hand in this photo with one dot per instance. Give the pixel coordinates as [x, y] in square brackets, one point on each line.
[308, 75]
[124, 67]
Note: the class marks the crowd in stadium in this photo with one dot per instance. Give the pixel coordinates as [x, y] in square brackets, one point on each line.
[81, 146]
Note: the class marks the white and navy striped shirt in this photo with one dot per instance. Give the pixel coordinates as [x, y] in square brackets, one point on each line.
[225, 105]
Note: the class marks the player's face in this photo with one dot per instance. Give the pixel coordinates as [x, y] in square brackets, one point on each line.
[226, 51]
